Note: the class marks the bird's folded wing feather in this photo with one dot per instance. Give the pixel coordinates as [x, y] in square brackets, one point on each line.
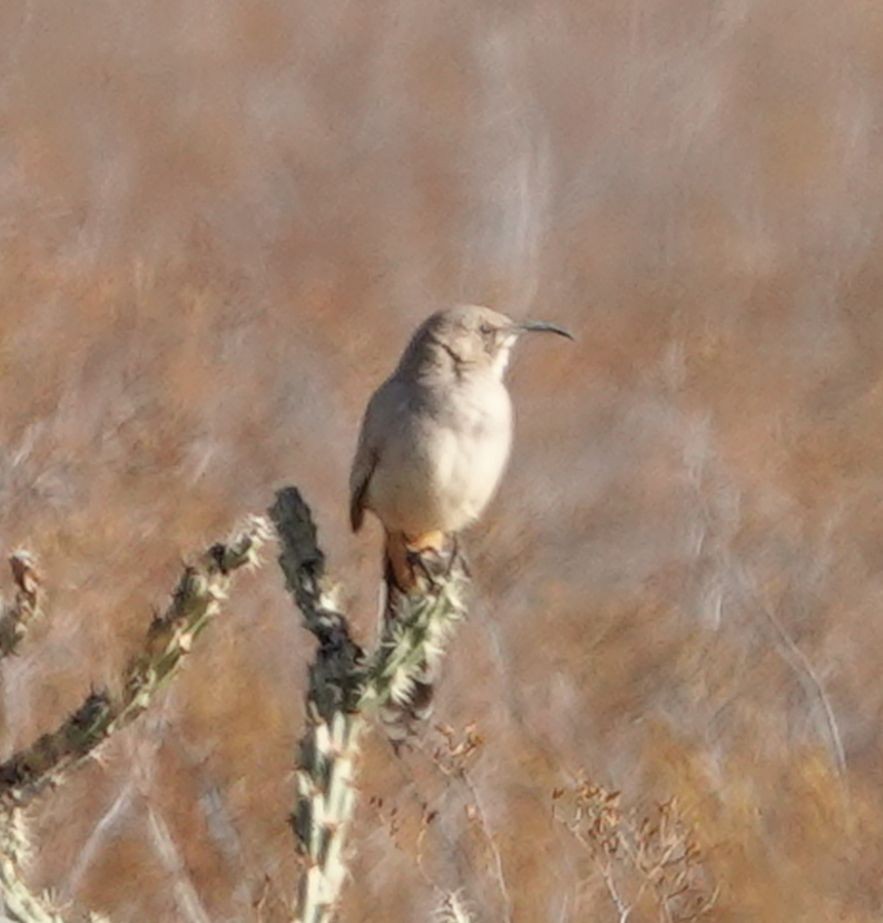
[363, 465]
[389, 405]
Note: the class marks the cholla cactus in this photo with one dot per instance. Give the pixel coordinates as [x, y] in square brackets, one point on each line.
[417, 626]
[343, 689]
[452, 910]
[19, 904]
[330, 743]
[195, 602]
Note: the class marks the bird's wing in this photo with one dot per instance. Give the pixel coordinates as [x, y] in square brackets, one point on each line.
[360, 477]
[364, 463]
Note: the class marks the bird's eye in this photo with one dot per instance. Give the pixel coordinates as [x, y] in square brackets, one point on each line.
[489, 338]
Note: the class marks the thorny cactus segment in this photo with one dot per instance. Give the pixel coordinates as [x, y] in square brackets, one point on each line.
[17, 903]
[16, 618]
[652, 859]
[325, 803]
[401, 673]
[341, 688]
[195, 602]
[335, 673]
[330, 742]
[452, 910]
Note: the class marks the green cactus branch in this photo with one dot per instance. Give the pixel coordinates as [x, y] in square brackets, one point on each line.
[414, 637]
[335, 674]
[344, 687]
[452, 909]
[195, 602]
[329, 744]
[17, 903]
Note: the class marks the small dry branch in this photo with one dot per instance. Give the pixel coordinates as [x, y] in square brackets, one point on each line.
[651, 861]
[26, 604]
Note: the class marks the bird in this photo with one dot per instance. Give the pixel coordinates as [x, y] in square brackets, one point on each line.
[433, 445]
[436, 435]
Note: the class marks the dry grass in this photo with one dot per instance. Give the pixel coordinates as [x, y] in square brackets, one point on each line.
[650, 863]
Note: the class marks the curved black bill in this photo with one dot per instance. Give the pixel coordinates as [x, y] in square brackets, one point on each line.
[540, 326]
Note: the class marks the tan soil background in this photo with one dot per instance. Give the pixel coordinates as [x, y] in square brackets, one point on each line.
[219, 223]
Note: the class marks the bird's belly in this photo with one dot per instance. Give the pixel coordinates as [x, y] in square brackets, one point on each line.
[437, 477]
[466, 478]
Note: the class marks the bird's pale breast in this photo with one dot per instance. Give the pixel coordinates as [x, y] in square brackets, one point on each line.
[442, 457]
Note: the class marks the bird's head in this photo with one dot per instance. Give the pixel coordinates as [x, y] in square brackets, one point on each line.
[472, 337]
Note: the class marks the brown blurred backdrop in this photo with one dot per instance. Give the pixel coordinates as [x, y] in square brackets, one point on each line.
[219, 222]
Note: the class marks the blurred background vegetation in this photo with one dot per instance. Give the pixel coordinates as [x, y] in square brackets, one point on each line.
[219, 223]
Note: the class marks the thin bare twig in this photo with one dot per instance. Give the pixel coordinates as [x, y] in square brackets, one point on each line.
[802, 666]
[499, 871]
